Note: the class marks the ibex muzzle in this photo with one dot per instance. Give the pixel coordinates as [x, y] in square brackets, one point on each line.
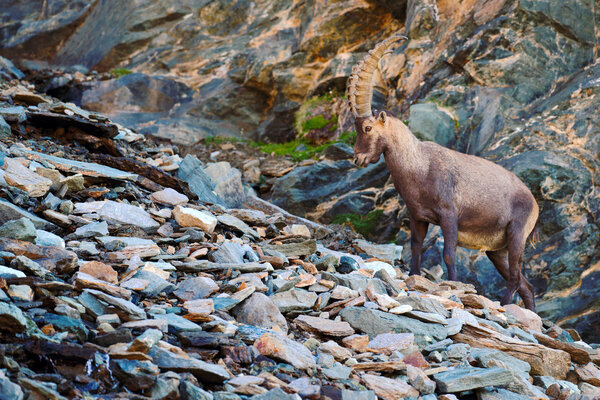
[477, 204]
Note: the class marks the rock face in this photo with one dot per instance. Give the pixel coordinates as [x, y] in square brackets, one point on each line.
[287, 61]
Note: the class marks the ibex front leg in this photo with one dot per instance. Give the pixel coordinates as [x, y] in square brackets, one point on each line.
[418, 231]
[449, 225]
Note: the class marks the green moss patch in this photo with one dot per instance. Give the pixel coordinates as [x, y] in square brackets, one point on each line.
[120, 72]
[309, 150]
[363, 224]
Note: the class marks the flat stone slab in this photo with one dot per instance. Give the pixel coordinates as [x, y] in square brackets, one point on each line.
[127, 311]
[9, 212]
[386, 252]
[461, 379]
[287, 350]
[76, 167]
[294, 300]
[375, 322]
[205, 372]
[324, 326]
[177, 323]
[126, 214]
[299, 249]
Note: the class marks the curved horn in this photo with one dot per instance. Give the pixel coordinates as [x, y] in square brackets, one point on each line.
[360, 83]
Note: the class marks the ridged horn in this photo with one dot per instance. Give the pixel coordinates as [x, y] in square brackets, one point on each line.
[360, 83]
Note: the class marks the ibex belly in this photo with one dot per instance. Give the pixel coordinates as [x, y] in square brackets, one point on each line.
[482, 240]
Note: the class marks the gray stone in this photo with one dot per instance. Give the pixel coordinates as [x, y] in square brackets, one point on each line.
[301, 190]
[227, 183]
[9, 390]
[190, 392]
[295, 300]
[427, 317]
[338, 151]
[376, 266]
[9, 212]
[439, 346]
[92, 305]
[347, 265]
[126, 310]
[7, 66]
[136, 375]
[6, 272]
[298, 249]
[456, 352]
[419, 380]
[45, 238]
[260, 310]
[431, 122]
[12, 319]
[375, 322]
[115, 243]
[196, 288]
[275, 394]
[166, 387]
[5, 129]
[205, 372]
[125, 214]
[13, 114]
[386, 252]
[92, 229]
[46, 390]
[287, 350]
[486, 357]
[229, 252]
[28, 266]
[51, 201]
[191, 170]
[499, 394]
[424, 304]
[356, 281]
[337, 372]
[76, 167]
[146, 340]
[358, 395]
[177, 323]
[20, 229]
[156, 284]
[237, 224]
[87, 249]
[20, 293]
[63, 323]
[467, 378]
[304, 388]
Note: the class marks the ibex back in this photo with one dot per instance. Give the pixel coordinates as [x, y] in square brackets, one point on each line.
[477, 204]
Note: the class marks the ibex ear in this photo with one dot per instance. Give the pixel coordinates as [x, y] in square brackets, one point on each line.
[382, 117]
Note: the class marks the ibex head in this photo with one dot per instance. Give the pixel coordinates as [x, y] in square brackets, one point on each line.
[370, 129]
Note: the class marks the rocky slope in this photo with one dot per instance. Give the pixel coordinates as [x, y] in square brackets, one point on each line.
[130, 272]
[512, 80]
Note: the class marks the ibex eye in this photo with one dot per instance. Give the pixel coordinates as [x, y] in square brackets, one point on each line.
[367, 129]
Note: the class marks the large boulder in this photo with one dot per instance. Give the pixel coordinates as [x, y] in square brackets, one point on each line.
[304, 188]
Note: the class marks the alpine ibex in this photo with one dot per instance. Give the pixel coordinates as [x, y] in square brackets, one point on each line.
[477, 204]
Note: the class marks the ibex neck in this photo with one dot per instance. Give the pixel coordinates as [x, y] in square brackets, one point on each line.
[403, 155]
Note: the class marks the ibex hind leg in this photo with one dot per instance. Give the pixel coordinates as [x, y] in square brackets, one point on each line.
[500, 260]
[516, 245]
